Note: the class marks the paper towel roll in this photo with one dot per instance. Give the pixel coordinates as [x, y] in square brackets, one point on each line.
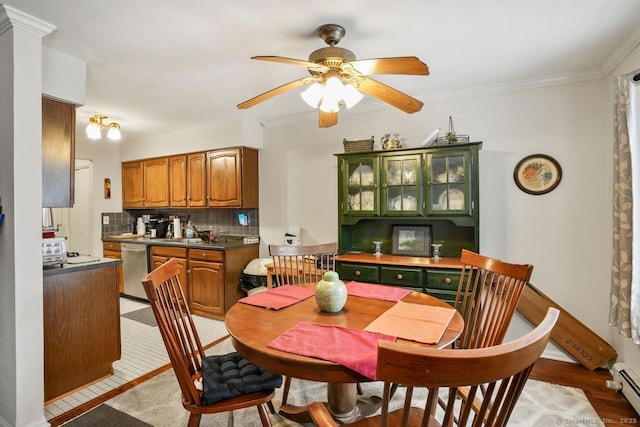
[177, 230]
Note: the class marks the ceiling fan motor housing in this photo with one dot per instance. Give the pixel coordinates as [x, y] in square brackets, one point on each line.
[331, 56]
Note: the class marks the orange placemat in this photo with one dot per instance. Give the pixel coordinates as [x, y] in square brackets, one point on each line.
[280, 297]
[354, 348]
[373, 291]
[416, 322]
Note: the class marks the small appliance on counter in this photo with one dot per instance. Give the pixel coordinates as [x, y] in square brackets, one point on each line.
[54, 251]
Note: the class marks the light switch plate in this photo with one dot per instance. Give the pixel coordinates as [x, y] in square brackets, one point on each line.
[105, 220]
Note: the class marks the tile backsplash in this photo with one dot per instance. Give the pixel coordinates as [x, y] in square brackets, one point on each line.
[222, 221]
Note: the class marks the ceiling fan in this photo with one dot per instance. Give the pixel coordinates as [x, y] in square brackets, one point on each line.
[338, 78]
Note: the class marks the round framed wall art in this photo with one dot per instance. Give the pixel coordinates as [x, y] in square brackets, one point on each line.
[537, 174]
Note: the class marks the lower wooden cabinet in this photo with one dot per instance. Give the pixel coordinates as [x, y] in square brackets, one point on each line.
[112, 250]
[210, 278]
[162, 254]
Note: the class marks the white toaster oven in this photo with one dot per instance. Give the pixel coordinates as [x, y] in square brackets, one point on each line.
[54, 251]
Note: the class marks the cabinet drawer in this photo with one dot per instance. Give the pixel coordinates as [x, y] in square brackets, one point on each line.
[359, 272]
[206, 255]
[447, 296]
[169, 251]
[443, 279]
[402, 276]
[111, 246]
[112, 254]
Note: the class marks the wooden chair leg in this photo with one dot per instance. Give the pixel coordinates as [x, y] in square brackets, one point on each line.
[285, 390]
[194, 420]
[264, 415]
[272, 409]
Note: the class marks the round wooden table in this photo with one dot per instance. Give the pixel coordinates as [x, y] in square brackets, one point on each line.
[252, 328]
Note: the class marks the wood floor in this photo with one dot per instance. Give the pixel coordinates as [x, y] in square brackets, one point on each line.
[612, 407]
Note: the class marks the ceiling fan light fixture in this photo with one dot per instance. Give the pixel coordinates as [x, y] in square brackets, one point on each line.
[351, 96]
[313, 95]
[96, 124]
[333, 89]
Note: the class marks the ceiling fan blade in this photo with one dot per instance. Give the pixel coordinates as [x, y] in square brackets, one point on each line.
[326, 120]
[398, 65]
[389, 95]
[277, 91]
[291, 61]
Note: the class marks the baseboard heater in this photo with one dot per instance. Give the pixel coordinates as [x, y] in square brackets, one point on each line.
[627, 382]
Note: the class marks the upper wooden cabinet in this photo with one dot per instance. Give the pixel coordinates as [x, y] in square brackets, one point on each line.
[218, 178]
[197, 179]
[232, 178]
[145, 183]
[58, 153]
[178, 181]
[132, 185]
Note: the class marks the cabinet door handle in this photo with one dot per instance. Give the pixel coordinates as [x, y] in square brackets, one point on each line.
[447, 280]
[399, 276]
[384, 185]
[357, 273]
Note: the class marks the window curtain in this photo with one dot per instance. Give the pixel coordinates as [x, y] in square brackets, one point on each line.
[624, 311]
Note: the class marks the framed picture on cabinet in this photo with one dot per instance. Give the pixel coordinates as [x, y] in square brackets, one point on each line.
[537, 174]
[411, 240]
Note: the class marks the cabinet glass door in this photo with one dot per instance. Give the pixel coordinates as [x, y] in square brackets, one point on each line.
[361, 194]
[401, 184]
[448, 183]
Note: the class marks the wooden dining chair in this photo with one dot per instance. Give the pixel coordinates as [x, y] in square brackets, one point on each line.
[502, 369]
[209, 384]
[488, 294]
[293, 265]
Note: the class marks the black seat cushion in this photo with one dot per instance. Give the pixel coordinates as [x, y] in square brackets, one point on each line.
[230, 375]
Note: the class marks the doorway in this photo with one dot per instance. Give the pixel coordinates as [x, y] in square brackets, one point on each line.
[76, 223]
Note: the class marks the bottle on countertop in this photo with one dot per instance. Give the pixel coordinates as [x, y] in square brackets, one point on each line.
[190, 231]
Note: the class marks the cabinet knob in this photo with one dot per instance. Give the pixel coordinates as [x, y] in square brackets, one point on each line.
[399, 276]
[447, 280]
[358, 273]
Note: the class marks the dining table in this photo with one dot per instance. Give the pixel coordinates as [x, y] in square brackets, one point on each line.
[254, 329]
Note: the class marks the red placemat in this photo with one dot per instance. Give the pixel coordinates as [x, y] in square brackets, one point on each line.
[354, 348]
[373, 291]
[280, 297]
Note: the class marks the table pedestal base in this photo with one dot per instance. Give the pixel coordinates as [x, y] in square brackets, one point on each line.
[343, 403]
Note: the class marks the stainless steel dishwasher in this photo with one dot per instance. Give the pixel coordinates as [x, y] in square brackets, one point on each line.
[134, 268]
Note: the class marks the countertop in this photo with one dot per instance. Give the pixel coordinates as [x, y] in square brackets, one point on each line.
[221, 243]
[69, 268]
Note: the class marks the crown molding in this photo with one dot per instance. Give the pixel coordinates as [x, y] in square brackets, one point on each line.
[620, 53]
[14, 18]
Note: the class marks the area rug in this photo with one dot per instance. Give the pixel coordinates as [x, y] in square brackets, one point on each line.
[106, 416]
[144, 315]
[158, 402]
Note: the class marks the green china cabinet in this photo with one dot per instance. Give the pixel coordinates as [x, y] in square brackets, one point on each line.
[378, 191]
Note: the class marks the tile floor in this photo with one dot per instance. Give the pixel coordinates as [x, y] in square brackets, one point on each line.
[142, 352]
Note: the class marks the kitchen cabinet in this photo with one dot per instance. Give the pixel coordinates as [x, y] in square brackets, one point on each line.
[434, 186]
[162, 254]
[58, 153]
[232, 178]
[132, 184]
[206, 282]
[178, 181]
[214, 278]
[197, 180]
[156, 182]
[81, 317]
[112, 250]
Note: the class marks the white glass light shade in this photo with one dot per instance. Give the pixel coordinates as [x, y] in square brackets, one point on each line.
[351, 96]
[114, 132]
[332, 95]
[313, 95]
[93, 131]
